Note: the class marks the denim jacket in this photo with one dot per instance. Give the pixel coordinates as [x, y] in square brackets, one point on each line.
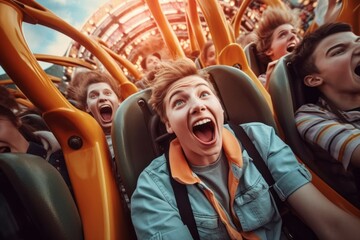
[254, 214]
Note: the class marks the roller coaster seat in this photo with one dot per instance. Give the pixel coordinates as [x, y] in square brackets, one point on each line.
[288, 94]
[35, 202]
[198, 63]
[35, 120]
[253, 60]
[139, 136]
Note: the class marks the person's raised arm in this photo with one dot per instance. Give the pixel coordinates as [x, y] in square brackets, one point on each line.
[326, 219]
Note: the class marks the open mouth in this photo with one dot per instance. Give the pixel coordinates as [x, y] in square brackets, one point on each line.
[204, 130]
[106, 113]
[290, 48]
[5, 149]
[357, 70]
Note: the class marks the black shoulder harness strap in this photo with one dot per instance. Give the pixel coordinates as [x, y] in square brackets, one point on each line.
[257, 159]
[183, 203]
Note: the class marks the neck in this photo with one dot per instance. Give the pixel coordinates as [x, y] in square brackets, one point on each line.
[204, 158]
[344, 102]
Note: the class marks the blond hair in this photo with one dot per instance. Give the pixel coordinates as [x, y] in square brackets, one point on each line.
[168, 73]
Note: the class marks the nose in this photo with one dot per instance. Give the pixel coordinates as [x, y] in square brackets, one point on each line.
[292, 36]
[102, 97]
[197, 106]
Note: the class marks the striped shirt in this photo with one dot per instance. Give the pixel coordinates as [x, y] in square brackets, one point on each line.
[317, 124]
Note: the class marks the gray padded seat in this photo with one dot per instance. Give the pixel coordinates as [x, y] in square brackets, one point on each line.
[285, 102]
[253, 60]
[35, 202]
[198, 63]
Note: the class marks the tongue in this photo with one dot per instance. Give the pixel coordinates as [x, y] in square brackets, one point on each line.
[205, 135]
[106, 116]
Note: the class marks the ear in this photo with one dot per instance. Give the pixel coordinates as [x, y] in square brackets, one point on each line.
[87, 109]
[269, 52]
[168, 127]
[313, 81]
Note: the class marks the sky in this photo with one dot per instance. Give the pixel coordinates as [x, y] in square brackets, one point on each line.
[43, 40]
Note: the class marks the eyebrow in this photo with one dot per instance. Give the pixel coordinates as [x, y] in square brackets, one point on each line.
[339, 45]
[101, 90]
[281, 32]
[286, 30]
[175, 93]
[179, 91]
[94, 90]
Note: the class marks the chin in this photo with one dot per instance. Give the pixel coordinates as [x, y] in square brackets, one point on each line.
[214, 150]
[106, 127]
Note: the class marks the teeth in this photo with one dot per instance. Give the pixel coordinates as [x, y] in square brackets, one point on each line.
[106, 105]
[202, 122]
[290, 48]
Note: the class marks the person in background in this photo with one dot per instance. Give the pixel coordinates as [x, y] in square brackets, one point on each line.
[208, 54]
[149, 65]
[7, 99]
[29, 116]
[18, 137]
[228, 196]
[151, 61]
[246, 38]
[276, 37]
[99, 95]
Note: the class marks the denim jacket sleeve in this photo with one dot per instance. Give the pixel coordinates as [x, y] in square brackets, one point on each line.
[152, 201]
[288, 173]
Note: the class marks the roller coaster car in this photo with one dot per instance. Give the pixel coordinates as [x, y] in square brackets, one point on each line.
[288, 94]
[37, 192]
[138, 135]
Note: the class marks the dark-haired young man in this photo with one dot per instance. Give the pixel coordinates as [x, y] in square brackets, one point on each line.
[328, 62]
